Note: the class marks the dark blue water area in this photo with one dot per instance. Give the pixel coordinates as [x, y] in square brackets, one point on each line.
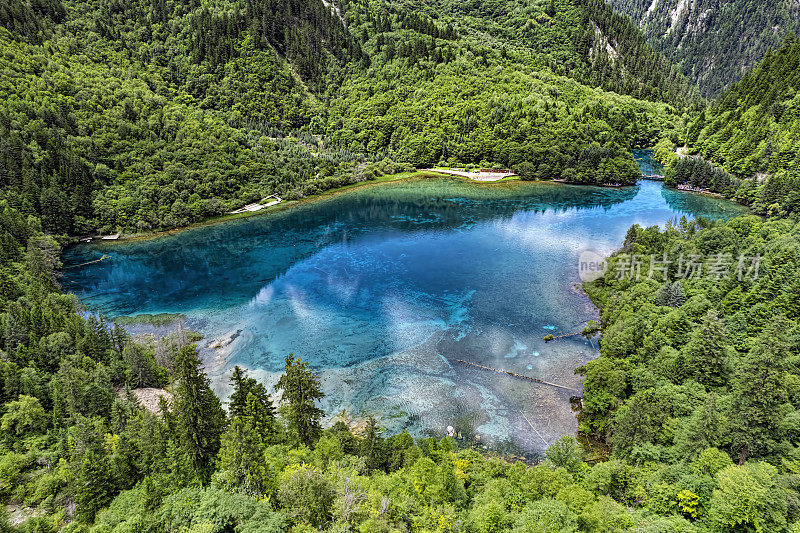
[382, 289]
[648, 164]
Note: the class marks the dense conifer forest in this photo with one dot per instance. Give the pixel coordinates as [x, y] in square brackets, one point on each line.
[153, 114]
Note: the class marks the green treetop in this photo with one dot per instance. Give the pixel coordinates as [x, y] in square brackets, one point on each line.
[301, 390]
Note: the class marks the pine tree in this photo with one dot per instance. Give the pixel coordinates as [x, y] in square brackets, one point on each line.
[200, 418]
[705, 428]
[250, 401]
[119, 337]
[706, 355]
[759, 393]
[95, 487]
[301, 390]
[372, 445]
[241, 460]
[675, 295]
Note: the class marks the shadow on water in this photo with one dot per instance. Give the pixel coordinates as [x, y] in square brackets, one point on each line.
[648, 164]
[689, 204]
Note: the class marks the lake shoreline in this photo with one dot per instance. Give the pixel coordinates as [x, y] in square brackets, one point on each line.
[416, 175]
[288, 204]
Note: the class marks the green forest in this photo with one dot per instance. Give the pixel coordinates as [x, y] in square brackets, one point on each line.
[746, 144]
[155, 114]
[151, 115]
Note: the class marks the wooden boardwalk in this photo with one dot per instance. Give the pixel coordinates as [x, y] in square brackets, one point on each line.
[476, 176]
[258, 206]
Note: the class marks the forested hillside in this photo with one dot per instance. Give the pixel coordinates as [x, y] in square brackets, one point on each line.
[430, 97]
[698, 369]
[582, 39]
[146, 116]
[712, 42]
[755, 126]
[748, 141]
[150, 115]
[482, 106]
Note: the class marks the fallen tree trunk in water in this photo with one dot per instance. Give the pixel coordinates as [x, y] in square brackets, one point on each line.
[514, 374]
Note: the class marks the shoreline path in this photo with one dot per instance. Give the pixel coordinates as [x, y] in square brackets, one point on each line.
[477, 176]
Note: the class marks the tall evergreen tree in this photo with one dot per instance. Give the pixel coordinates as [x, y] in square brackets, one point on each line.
[759, 393]
[706, 355]
[241, 460]
[301, 390]
[200, 418]
[705, 428]
[372, 445]
[250, 400]
[95, 487]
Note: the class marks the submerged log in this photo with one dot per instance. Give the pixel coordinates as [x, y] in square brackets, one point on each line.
[520, 376]
[548, 338]
[87, 262]
[591, 329]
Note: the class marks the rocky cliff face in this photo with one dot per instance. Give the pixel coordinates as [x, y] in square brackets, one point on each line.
[714, 41]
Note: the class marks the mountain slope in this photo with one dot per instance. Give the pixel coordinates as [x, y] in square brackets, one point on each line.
[714, 42]
[156, 114]
[152, 114]
[431, 96]
[755, 126]
[747, 145]
[582, 39]
[484, 107]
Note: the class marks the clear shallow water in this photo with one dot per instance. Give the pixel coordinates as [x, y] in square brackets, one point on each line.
[381, 289]
[648, 164]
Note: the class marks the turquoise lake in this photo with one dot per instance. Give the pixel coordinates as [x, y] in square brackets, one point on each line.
[648, 165]
[381, 289]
